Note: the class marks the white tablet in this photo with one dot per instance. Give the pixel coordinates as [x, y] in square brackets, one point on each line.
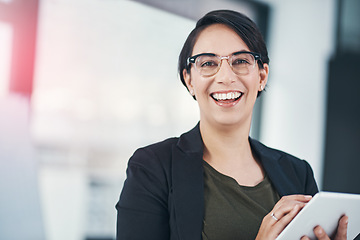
[325, 209]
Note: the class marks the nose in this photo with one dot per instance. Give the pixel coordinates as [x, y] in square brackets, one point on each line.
[225, 74]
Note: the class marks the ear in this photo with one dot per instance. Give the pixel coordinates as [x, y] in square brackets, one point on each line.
[188, 83]
[263, 76]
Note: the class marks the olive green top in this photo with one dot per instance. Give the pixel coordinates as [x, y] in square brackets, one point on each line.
[233, 211]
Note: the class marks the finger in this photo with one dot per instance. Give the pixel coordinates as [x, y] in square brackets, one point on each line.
[305, 238]
[284, 209]
[284, 221]
[342, 228]
[320, 233]
[286, 203]
[297, 197]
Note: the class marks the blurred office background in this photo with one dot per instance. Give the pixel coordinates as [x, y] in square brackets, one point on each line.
[74, 104]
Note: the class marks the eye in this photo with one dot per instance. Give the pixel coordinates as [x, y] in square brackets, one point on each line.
[240, 61]
[208, 64]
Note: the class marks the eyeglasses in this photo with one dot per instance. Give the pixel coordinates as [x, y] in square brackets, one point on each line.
[208, 64]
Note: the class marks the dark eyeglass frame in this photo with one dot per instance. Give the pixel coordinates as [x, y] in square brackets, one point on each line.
[192, 59]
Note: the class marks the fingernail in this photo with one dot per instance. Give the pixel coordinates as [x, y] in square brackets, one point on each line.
[319, 230]
[308, 197]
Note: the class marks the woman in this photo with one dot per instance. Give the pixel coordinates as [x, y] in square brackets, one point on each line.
[214, 182]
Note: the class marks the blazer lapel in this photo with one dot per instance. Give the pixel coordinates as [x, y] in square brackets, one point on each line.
[271, 161]
[188, 182]
[187, 185]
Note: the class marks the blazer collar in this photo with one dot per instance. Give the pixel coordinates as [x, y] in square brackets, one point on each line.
[271, 159]
[275, 167]
[188, 182]
[191, 142]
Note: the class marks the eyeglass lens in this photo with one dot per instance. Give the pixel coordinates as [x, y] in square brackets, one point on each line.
[241, 64]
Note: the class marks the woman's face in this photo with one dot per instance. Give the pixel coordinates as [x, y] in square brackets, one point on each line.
[210, 91]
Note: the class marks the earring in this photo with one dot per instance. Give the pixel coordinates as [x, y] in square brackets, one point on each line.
[192, 92]
[261, 87]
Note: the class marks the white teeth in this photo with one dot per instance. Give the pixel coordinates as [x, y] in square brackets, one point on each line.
[226, 96]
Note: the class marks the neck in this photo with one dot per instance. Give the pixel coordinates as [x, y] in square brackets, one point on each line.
[228, 150]
[226, 144]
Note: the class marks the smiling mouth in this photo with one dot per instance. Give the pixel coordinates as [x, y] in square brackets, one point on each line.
[226, 97]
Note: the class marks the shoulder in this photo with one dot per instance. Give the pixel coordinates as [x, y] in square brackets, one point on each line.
[154, 155]
[290, 174]
[148, 172]
[277, 156]
[162, 152]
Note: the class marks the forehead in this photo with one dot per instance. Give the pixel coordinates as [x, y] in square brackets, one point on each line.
[219, 39]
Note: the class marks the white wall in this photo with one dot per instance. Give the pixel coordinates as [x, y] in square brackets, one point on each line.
[20, 207]
[302, 35]
[106, 83]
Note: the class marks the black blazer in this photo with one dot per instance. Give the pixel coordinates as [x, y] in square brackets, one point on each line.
[163, 195]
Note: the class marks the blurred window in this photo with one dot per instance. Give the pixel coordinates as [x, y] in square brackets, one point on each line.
[5, 57]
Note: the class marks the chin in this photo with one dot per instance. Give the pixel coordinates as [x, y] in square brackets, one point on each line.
[229, 122]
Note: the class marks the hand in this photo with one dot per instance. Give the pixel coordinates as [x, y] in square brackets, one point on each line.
[281, 215]
[341, 233]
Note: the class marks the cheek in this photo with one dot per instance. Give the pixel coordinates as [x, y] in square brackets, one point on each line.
[200, 84]
[251, 84]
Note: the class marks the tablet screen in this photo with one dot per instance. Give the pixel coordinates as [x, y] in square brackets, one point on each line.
[325, 209]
